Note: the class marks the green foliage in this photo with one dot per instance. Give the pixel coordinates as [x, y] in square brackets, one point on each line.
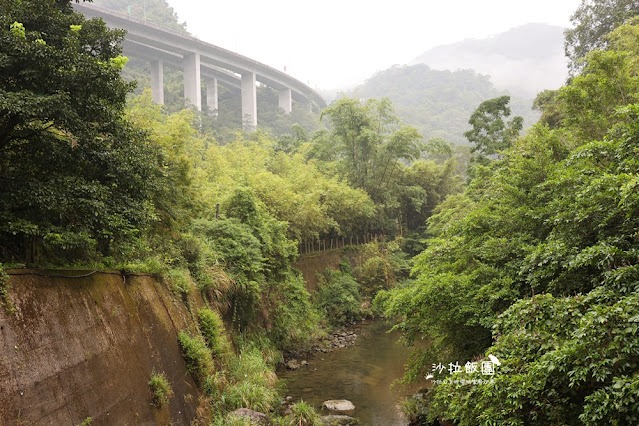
[369, 140]
[303, 414]
[369, 146]
[75, 176]
[179, 282]
[161, 391]
[295, 319]
[592, 20]
[589, 102]
[212, 328]
[338, 298]
[291, 189]
[253, 246]
[547, 102]
[382, 264]
[232, 420]
[253, 383]
[197, 356]
[569, 360]
[539, 255]
[490, 134]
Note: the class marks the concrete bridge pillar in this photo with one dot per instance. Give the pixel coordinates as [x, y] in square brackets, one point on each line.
[286, 100]
[211, 96]
[157, 81]
[249, 101]
[192, 84]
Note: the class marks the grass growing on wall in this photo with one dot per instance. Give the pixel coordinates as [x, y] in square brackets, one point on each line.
[161, 391]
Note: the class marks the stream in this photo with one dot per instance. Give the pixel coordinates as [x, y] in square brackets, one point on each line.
[362, 373]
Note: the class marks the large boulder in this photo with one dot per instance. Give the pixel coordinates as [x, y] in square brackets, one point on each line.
[338, 405]
[339, 420]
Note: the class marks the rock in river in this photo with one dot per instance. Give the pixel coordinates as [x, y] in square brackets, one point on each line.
[336, 420]
[293, 364]
[338, 405]
[253, 416]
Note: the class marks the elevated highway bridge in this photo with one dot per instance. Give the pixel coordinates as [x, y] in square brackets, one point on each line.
[201, 60]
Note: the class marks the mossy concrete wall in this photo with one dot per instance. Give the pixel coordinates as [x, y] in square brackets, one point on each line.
[313, 264]
[86, 347]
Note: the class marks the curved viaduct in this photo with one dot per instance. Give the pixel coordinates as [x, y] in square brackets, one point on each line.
[201, 60]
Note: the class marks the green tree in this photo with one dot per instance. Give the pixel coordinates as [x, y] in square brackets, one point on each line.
[608, 81]
[547, 102]
[74, 176]
[536, 264]
[490, 133]
[592, 20]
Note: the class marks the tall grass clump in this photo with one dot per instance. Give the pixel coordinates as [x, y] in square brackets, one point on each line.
[197, 356]
[179, 282]
[303, 414]
[161, 390]
[253, 383]
[212, 328]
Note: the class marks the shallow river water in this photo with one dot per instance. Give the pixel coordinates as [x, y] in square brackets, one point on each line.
[362, 373]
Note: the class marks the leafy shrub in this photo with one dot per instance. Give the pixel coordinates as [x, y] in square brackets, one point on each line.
[338, 297]
[212, 329]
[161, 390]
[295, 319]
[233, 244]
[197, 356]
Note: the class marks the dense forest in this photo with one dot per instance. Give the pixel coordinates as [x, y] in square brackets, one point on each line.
[520, 253]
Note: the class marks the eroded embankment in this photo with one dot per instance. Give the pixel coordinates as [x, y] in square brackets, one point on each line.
[86, 347]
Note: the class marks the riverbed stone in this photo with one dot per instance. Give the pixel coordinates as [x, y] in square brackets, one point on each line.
[293, 364]
[338, 420]
[338, 405]
[254, 416]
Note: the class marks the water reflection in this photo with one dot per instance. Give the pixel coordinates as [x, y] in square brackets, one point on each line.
[362, 374]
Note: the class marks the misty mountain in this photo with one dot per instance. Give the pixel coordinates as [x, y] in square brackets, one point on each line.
[524, 60]
[438, 103]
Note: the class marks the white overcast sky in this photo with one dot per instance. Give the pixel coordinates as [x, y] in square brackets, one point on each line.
[333, 44]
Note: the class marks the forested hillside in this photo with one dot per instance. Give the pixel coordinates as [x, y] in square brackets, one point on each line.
[438, 103]
[536, 266]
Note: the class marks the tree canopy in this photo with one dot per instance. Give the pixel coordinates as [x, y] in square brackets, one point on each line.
[489, 133]
[73, 173]
[536, 264]
[592, 20]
